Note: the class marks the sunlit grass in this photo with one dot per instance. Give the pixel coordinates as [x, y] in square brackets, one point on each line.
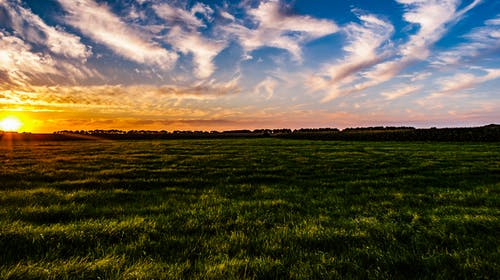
[249, 208]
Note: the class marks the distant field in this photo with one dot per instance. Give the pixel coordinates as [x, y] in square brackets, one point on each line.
[249, 208]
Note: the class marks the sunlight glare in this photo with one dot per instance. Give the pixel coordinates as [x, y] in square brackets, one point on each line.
[10, 124]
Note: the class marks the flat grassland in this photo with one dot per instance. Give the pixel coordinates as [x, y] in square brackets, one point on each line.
[249, 208]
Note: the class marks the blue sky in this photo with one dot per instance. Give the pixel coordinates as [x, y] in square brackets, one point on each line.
[151, 64]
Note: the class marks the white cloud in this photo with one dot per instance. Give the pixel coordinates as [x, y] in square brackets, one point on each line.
[464, 81]
[202, 9]
[494, 21]
[433, 17]
[420, 76]
[266, 87]
[34, 30]
[20, 63]
[180, 16]
[99, 23]
[274, 28]
[185, 37]
[137, 14]
[227, 15]
[364, 42]
[482, 40]
[402, 91]
[203, 50]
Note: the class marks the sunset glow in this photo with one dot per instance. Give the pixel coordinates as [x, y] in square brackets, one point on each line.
[203, 65]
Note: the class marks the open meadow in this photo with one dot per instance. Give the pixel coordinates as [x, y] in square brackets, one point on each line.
[249, 208]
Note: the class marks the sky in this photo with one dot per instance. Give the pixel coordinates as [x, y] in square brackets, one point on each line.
[221, 65]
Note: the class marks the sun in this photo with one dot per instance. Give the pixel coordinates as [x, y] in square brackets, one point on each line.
[10, 124]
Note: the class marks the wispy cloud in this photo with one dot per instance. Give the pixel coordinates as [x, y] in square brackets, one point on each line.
[202, 49]
[184, 35]
[434, 18]
[464, 81]
[33, 29]
[21, 65]
[482, 41]
[402, 90]
[266, 87]
[420, 76]
[362, 51]
[179, 16]
[99, 23]
[202, 9]
[38, 53]
[145, 99]
[275, 28]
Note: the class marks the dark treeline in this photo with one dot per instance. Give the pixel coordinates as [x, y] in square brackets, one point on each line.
[489, 133]
[163, 134]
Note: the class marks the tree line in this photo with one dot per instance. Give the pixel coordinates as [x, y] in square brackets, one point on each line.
[377, 133]
[489, 133]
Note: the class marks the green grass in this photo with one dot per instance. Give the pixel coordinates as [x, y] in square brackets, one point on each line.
[249, 208]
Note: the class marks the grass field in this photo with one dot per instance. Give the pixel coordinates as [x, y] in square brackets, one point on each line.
[249, 208]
